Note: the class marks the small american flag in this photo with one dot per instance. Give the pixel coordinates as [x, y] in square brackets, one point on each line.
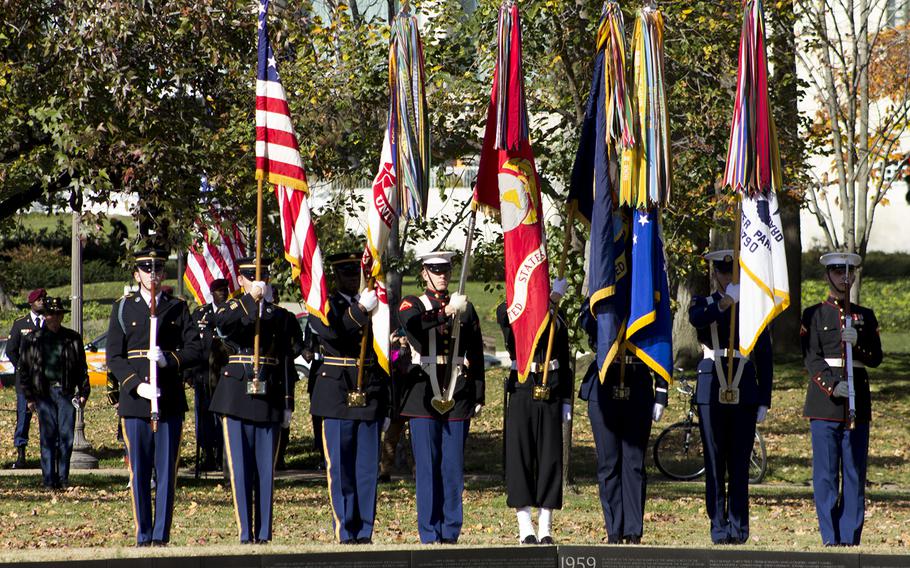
[214, 255]
[277, 153]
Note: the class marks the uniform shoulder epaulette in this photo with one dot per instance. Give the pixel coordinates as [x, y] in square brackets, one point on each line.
[233, 304]
[21, 318]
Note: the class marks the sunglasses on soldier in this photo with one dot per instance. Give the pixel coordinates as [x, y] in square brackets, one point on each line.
[438, 268]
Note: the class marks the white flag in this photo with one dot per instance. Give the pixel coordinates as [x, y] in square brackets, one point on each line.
[380, 215]
[764, 288]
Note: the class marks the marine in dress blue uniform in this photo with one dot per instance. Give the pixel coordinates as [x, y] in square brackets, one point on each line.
[204, 378]
[128, 358]
[251, 419]
[839, 453]
[352, 418]
[533, 436]
[621, 409]
[21, 328]
[728, 407]
[438, 438]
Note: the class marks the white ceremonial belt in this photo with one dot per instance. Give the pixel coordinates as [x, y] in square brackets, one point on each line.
[838, 362]
[537, 367]
[440, 360]
[714, 354]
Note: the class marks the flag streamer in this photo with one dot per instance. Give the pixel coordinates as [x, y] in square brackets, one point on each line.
[646, 166]
[410, 128]
[753, 155]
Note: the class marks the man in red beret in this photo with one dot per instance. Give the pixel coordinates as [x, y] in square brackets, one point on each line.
[23, 326]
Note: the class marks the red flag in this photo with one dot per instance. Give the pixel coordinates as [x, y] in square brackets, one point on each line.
[507, 182]
[301, 249]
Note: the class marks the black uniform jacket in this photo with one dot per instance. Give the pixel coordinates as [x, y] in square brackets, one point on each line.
[821, 339]
[128, 341]
[333, 378]
[560, 380]
[757, 376]
[419, 323]
[214, 355]
[30, 372]
[637, 376]
[280, 340]
[21, 328]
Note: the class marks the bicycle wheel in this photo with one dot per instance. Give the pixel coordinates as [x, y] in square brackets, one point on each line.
[758, 461]
[678, 452]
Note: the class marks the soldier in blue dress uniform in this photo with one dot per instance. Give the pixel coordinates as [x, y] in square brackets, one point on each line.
[203, 378]
[621, 409]
[439, 425]
[129, 358]
[254, 406]
[728, 407]
[23, 326]
[839, 449]
[533, 435]
[352, 417]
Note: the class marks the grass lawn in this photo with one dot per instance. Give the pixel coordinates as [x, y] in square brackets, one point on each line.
[96, 511]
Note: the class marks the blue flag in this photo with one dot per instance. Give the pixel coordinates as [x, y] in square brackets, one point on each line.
[649, 332]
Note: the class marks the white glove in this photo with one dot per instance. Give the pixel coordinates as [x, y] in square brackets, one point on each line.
[762, 414]
[286, 420]
[841, 390]
[145, 391]
[477, 408]
[849, 335]
[269, 295]
[458, 303]
[560, 285]
[156, 356]
[368, 299]
[658, 412]
[732, 291]
[386, 422]
[257, 290]
[566, 412]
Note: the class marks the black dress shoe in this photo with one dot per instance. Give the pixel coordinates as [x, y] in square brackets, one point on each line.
[143, 544]
[631, 539]
[385, 478]
[449, 541]
[20, 458]
[546, 540]
[614, 540]
[349, 541]
[364, 540]
[158, 543]
[530, 539]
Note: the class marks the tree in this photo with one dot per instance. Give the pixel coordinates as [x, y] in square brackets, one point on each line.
[856, 66]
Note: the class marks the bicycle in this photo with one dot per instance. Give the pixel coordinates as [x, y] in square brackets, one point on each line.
[678, 451]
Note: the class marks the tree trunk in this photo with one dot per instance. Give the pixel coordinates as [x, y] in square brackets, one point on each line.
[5, 303]
[686, 349]
[786, 326]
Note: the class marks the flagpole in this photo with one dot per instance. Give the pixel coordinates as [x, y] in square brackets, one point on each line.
[456, 323]
[255, 383]
[731, 353]
[561, 271]
[357, 398]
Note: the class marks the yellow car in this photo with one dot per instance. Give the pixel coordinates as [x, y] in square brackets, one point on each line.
[95, 357]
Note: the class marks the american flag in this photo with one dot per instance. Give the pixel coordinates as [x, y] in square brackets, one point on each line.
[278, 161]
[214, 255]
[277, 153]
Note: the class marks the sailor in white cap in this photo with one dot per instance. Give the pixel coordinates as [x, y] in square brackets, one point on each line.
[728, 406]
[439, 414]
[839, 448]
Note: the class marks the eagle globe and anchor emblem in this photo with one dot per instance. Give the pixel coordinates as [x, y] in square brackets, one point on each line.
[517, 194]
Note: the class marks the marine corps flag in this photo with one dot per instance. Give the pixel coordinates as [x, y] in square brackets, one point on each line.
[753, 170]
[507, 182]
